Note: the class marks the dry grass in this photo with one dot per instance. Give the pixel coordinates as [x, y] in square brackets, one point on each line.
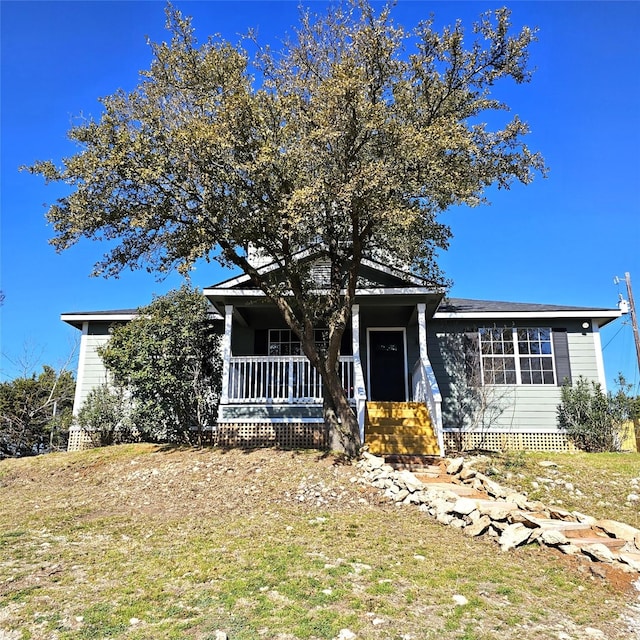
[145, 542]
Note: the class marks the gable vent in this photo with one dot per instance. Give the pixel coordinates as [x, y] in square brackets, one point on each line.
[321, 272]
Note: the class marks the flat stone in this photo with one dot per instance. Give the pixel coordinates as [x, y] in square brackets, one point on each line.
[611, 543]
[519, 499]
[464, 506]
[561, 514]
[449, 487]
[455, 466]
[372, 461]
[409, 480]
[632, 559]
[569, 549]
[598, 552]
[514, 535]
[617, 529]
[478, 527]
[553, 537]
[559, 525]
[496, 510]
[546, 464]
[467, 473]
[493, 488]
[585, 519]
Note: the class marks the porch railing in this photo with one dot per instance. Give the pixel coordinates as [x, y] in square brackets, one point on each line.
[281, 379]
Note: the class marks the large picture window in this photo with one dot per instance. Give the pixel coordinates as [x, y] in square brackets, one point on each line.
[511, 355]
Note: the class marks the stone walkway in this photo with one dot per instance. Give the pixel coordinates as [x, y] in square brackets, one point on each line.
[456, 494]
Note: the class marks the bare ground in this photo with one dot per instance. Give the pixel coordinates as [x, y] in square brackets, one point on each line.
[143, 541]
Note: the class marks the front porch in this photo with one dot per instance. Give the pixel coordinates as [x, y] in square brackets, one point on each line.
[268, 386]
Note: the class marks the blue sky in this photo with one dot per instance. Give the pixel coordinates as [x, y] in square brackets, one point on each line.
[560, 240]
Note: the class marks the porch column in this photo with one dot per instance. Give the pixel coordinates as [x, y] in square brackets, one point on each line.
[225, 349]
[422, 331]
[359, 390]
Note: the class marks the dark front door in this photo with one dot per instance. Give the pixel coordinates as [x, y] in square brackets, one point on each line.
[387, 365]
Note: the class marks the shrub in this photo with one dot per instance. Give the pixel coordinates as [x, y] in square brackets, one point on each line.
[594, 420]
[168, 360]
[105, 416]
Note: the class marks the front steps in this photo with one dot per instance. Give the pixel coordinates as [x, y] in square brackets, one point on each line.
[400, 428]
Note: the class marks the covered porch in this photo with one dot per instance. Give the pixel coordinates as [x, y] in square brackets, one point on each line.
[268, 386]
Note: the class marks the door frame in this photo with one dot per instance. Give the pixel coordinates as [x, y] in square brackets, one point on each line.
[403, 330]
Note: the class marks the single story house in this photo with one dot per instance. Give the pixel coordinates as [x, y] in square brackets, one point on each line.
[426, 374]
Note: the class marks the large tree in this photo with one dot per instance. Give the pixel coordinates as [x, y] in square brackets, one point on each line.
[354, 138]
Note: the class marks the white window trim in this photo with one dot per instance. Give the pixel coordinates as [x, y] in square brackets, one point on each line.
[516, 356]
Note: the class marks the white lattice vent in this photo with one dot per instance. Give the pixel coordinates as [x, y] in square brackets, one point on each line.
[500, 441]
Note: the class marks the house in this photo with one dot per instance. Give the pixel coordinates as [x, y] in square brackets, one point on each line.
[425, 374]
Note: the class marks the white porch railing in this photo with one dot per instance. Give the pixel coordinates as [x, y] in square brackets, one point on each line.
[281, 380]
[425, 389]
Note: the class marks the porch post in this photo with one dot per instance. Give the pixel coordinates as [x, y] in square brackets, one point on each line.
[359, 391]
[225, 348]
[422, 331]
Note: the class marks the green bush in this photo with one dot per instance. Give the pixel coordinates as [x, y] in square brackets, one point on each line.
[168, 360]
[105, 416]
[594, 420]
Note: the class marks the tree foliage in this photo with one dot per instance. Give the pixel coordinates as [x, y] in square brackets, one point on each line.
[35, 412]
[168, 360]
[594, 420]
[353, 138]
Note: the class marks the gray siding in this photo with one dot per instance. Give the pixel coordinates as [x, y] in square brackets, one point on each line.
[91, 370]
[526, 408]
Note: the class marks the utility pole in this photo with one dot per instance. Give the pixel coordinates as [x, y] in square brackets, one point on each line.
[634, 316]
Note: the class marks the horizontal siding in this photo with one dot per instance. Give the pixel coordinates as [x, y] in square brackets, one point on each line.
[525, 408]
[91, 372]
[582, 355]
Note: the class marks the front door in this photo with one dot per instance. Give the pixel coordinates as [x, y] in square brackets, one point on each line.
[387, 365]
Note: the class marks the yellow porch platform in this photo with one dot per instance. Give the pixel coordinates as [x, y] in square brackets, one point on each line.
[400, 428]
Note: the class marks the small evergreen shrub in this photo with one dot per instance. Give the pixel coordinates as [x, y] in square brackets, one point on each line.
[594, 420]
[105, 415]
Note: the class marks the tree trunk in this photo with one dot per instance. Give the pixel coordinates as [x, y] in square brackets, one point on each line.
[339, 416]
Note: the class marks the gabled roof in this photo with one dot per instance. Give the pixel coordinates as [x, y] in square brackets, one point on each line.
[461, 308]
[371, 270]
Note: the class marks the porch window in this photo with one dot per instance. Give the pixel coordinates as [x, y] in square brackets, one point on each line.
[511, 355]
[283, 342]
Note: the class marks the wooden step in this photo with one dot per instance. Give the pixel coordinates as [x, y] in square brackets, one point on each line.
[411, 421]
[402, 448]
[390, 438]
[406, 430]
[397, 410]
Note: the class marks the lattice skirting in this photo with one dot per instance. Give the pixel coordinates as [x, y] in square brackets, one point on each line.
[79, 440]
[285, 436]
[501, 441]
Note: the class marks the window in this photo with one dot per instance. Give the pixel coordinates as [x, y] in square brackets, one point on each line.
[516, 356]
[283, 342]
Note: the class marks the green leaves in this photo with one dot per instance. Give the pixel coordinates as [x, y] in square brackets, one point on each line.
[359, 130]
[593, 419]
[168, 360]
[35, 412]
[353, 138]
